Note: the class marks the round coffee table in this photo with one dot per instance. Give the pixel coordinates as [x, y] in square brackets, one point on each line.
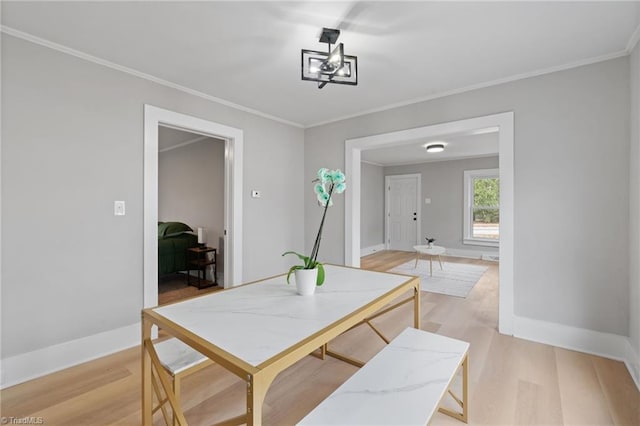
[431, 251]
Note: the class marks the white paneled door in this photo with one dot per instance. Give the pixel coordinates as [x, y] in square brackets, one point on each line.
[403, 211]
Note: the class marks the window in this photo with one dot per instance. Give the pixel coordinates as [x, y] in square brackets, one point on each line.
[482, 207]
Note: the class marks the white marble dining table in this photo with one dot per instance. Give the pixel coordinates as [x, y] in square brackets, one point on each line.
[259, 329]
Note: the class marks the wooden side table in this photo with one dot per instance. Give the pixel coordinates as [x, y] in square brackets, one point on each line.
[198, 260]
[431, 251]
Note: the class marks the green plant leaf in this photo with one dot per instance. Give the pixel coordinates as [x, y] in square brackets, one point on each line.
[320, 279]
[302, 257]
[293, 268]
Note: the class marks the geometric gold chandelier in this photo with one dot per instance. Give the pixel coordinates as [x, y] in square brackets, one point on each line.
[332, 66]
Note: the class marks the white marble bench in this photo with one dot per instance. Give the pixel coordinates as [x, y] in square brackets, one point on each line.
[177, 357]
[403, 384]
[179, 360]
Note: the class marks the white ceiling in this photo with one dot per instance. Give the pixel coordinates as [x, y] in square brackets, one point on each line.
[248, 53]
[456, 147]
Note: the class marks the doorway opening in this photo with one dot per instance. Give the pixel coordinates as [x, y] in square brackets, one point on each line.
[503, 124]
[228, 239]
[190, 214]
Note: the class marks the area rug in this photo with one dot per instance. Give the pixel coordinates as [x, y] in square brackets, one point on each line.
[455, 279]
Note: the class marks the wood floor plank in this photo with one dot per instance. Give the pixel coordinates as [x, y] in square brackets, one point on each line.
[583, 401]
[103, 405]
[538, 401]
[493, 399]
[531, 405]
[619, 391]
[38, 395]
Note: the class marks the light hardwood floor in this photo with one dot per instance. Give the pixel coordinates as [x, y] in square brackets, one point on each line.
[173, 288]
[512, 381]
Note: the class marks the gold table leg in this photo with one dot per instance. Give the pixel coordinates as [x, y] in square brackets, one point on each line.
[257, 386]
[147, 391]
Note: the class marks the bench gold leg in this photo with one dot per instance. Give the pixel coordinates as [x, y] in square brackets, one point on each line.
[176, 392]
[465, 389]
[440, 261]
[166, 386]
[161, 401]
[464, 402]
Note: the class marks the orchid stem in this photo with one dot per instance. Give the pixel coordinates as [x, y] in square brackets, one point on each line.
[316, 245]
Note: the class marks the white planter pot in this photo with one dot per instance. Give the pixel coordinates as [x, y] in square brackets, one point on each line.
[306, 281]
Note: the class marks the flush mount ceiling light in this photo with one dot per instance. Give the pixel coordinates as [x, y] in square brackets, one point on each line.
[435, 147]
[332, 66]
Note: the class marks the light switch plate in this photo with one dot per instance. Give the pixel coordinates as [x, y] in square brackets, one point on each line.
[427, 200]
[118, 208]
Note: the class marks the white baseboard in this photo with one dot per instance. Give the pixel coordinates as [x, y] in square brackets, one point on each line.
[632, 361]
[23, 367]
[30, 365]
[492, 257]
[606, 345]
[370, 250]
[471, 254]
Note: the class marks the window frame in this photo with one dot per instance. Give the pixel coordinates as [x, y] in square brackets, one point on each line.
[469, 176]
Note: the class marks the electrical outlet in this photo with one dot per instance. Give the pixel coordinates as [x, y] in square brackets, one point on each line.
[118, 208]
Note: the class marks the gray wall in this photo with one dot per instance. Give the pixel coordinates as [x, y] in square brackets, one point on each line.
[571, 198]
[634, 212]
[191, 187]
[371, 205]
[443, 182]
[72, 143]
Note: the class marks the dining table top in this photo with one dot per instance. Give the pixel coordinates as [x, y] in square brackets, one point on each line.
[258, 321]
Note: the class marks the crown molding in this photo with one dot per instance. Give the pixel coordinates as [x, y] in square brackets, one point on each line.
[87, 57]
[484, 85]
[635, 37]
